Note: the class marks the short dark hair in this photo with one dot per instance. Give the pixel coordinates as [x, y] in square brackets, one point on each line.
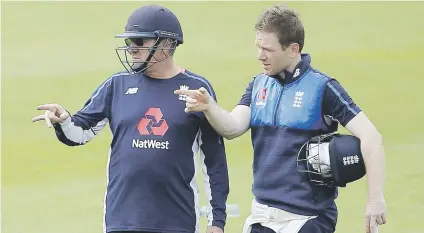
[285, 23]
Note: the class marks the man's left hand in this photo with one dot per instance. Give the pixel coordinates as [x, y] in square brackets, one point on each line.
[375, 213]
[214, 229]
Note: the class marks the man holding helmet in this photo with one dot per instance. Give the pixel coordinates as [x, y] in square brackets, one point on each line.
[286, 107]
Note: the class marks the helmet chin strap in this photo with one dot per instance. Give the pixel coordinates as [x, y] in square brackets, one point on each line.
[140, 68]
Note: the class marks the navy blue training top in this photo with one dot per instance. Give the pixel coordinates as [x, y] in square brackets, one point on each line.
[151, 184]
[285, 113]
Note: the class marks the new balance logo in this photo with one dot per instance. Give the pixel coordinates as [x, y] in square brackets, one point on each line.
[297, 100]
[350, 160]
[296, 73]
[131, 90]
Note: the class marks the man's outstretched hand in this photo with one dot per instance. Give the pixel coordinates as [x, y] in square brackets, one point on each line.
[196, 100]
[53, 114]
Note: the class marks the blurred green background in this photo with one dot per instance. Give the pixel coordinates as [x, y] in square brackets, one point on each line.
[61, 51]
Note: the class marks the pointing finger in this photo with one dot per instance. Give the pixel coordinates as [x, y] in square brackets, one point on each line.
[191, 100]
[50, 107]
[38, 118]
[185, 92]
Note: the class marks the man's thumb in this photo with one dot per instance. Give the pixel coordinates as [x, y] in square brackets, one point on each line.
[203, 90]
[64, 116]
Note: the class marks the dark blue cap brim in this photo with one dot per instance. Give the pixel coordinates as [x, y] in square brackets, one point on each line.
[136, 35]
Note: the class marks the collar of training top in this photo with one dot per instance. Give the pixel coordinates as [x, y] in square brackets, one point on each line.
[298, 71]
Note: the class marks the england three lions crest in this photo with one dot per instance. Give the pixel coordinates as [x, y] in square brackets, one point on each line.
[298, 99]
[183, 97]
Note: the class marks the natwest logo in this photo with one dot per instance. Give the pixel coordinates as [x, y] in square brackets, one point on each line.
[152, 124]
[148, 143]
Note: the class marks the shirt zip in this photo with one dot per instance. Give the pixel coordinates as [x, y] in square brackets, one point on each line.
[278, 105]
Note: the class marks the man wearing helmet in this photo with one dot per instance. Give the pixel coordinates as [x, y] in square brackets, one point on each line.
[152, 163]
[287, 107]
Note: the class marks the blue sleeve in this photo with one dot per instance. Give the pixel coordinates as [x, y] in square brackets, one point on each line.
[246, 99]
[213, 150]
[338, 104]
[95, 110]
[215, 160]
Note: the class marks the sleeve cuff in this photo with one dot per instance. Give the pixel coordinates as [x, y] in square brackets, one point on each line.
[66, 122]
[219, 223]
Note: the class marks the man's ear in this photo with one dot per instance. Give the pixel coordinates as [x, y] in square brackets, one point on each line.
[294, 49]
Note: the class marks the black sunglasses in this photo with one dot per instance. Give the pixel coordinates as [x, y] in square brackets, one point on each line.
[136, 41]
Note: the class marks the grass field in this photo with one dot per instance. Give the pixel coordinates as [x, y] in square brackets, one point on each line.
[61, 51]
